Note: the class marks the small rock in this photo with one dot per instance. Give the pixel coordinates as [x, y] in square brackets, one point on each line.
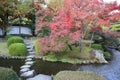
[28, 74]
[41, 77]
[25, 66]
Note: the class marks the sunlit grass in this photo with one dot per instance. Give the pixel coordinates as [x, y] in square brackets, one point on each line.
[3, 48]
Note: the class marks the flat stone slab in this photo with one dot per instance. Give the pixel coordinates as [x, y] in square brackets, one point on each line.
[28, 59]
[25, 66]
[24, 70]
[29, 47]
[29, 63]
[32, 52]
[28, 74]
[30, 56]
[41, 77]
[29, 50]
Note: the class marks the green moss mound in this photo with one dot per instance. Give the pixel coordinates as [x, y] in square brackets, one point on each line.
[17, 49]
[7, 74]
[14, 39]
[77, 75]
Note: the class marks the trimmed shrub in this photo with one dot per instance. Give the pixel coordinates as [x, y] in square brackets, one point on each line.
[8, 74]
[77, 75]
[14, 39]
[17, 49]
[97, 46]
[8, 36]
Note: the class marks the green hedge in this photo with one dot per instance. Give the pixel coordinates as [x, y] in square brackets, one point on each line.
[17, 49]
[14, 39]
[77, 75]
[8, 74]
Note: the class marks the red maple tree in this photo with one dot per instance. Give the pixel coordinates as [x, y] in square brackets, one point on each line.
[73, 21]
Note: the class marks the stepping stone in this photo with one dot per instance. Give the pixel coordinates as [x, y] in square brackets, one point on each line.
[28, 59]
[41, 77]
[29, 47]
[29, 63]
[32, 52]
[30, 56]
[24, 70]
[27, 43]
[29, 50]
[25, 66]
[28, 74]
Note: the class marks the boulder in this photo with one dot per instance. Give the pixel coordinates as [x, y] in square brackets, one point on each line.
[98, 55]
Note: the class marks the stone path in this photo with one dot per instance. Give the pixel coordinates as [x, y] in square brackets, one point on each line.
[26, 71]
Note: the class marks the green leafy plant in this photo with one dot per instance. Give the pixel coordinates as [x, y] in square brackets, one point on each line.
[17, 49]
[97, 46]
[8, 74]
[14, 39]
[36, 46]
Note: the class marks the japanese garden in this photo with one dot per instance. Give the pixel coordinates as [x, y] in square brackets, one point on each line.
[59, 39]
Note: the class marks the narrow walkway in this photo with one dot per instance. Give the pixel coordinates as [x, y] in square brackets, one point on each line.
[26, 71]
[110, 71]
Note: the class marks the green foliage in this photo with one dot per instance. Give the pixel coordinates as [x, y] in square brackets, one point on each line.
[36, 47]
[107, 55]
[97, 46]
[77, 75]
[85, 53]
[48, 18]
[8, 36]
[7, 74]
[115, 27]
[45, 31]
[14, 39]
[17, 49]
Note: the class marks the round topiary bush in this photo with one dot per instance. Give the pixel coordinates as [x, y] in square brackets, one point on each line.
[14, 39]
[17, 49]
[8, 74]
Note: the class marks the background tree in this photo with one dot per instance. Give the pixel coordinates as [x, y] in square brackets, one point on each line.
[7, 8]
